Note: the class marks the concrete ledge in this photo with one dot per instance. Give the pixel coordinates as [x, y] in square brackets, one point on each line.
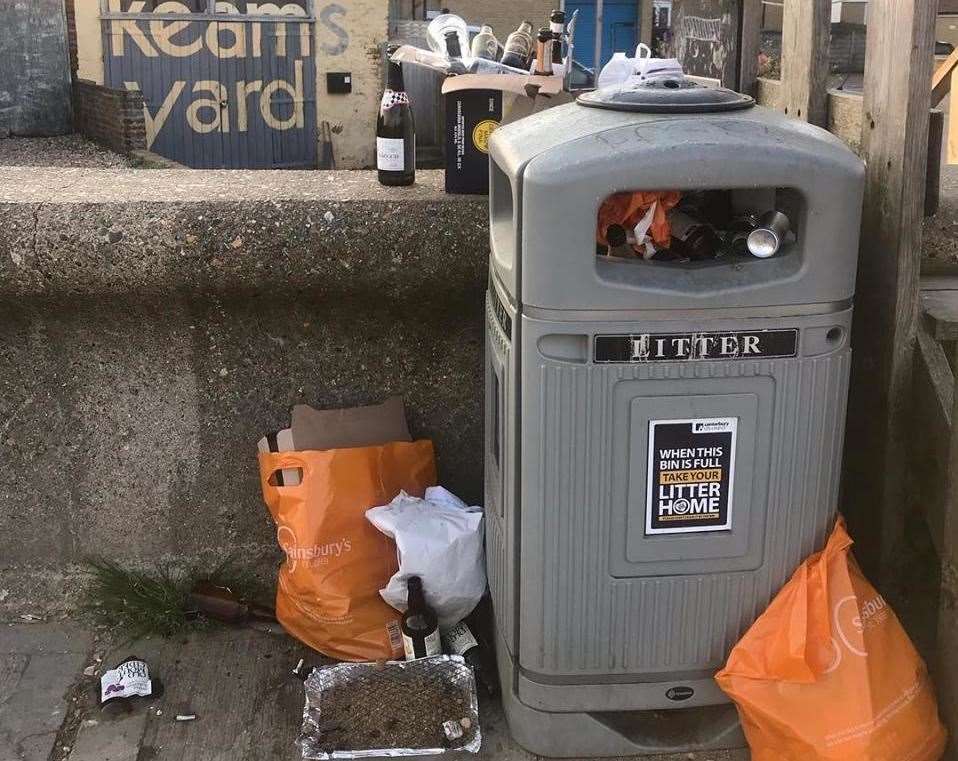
[154, 324]
[85, 231]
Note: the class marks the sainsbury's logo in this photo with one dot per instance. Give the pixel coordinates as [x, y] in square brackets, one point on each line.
[310, 555]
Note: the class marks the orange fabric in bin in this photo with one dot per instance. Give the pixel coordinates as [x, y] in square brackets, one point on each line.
[628, 208]
[336, 560]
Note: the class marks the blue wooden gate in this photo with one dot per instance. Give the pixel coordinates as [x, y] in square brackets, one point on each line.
[225, 84]
[619, 29]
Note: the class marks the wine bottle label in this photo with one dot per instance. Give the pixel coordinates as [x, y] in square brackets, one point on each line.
[394, 98]
[394, 632]
[431, 645]
[459, 639]
[390, 154]
[130, 679]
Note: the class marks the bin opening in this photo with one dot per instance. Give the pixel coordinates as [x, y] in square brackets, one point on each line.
[692, 228]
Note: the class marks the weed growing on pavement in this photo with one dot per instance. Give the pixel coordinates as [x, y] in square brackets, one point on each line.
[144, 603]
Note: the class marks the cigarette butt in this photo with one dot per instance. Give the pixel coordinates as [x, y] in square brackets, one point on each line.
[185, 716]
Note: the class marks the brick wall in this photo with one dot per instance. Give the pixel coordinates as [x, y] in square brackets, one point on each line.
[111, 117]
[503, 15]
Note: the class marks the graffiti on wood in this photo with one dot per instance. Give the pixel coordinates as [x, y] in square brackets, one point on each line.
[704, 36]
[232, 88]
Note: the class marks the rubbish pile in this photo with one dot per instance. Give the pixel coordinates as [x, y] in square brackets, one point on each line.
[544, 53]
[697, 226]
[380, 564]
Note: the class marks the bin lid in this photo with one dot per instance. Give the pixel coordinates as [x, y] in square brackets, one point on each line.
[677, 95]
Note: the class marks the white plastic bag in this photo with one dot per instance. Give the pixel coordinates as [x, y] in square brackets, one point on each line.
[648, 68]
[621, 70]
[439, 539]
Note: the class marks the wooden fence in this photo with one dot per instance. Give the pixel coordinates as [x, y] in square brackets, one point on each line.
[903, 394]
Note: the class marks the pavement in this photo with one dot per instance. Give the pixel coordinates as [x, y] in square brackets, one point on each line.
[63, 151]
[235, 681]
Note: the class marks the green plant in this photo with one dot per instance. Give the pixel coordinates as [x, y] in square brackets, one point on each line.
[144, 603]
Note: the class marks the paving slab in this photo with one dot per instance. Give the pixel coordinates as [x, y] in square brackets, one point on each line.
[247, 707]
[39, 664]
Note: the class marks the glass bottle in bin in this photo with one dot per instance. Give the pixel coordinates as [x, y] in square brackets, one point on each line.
[618, 239]
[544, 52]
[420, 624]
[557, 27]
[437, 34]
[485, 45]
[518, 48]
[692, 237]
[395, 130]
[452, 44]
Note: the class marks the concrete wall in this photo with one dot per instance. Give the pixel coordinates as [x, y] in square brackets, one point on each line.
[89, 40]
[348, 38]
[34, 69]
[154, 324]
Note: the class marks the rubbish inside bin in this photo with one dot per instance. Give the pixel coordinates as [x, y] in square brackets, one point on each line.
[827, 673]
[547, 54]
[422, 707]
[696, 226]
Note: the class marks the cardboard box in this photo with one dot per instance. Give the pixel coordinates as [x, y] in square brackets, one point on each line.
[471, 117]
[476, 105]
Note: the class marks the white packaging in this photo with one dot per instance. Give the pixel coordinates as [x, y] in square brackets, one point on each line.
[438, 539]
[129, 679]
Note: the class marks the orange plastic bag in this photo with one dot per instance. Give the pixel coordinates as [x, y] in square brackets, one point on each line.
[828, 674]
[336, 561]
[628, 208]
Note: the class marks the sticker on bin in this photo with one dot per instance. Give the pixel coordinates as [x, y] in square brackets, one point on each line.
[690, 476]
[684, 347]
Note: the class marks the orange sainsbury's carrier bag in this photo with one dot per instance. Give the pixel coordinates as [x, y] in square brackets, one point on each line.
[336, 561]
[828, 674]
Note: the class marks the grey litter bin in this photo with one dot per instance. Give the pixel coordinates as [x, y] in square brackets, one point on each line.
[607, 378]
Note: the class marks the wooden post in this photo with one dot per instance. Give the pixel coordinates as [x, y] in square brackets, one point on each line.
[805, 32]
[599, 32]
[750, 44]
[645, 21]
[894, 144]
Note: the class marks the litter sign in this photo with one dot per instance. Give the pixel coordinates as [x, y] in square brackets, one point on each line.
[690, 476]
